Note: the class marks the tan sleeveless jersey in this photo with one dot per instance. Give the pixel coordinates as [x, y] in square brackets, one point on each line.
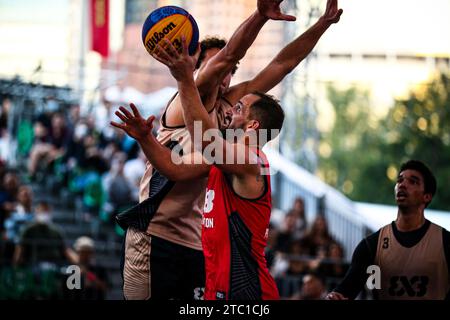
[415, 273]
[178, 218]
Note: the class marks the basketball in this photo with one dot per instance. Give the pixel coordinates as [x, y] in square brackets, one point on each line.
[170, 22]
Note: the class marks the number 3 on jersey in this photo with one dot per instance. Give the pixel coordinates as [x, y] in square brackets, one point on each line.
[208, 201]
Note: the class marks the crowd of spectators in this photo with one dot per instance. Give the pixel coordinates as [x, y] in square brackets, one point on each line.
[79, 156]
[99, 167]
[304, 258]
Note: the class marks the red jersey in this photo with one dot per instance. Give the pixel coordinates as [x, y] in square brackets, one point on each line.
[234, 236]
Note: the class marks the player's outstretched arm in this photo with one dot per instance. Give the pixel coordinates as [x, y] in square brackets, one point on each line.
[244, 36]
[204, 135]
[169, 164]
[211, 76]
[289, 57]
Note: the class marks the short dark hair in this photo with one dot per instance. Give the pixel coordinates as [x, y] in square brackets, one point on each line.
[428, 177]
[267, 110]
[211, 43]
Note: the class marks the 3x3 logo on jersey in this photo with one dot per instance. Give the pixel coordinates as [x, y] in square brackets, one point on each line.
[413, 287]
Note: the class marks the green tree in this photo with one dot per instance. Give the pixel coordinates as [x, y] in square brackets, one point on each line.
[365, 154]
[349, 153]
[419, 128]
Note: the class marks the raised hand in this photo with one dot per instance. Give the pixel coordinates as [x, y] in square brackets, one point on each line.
[181, 65]
[271, 10]
[332, 13]
[134, 124]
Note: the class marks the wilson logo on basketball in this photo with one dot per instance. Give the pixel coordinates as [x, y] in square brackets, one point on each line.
[158, 36]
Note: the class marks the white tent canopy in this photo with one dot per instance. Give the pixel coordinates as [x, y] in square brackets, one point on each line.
[377, 215]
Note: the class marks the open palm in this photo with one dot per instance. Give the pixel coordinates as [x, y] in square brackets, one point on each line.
[134, 124]
[271, 9]
[332, 13]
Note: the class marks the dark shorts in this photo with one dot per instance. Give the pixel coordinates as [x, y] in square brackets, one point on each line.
[159, 269]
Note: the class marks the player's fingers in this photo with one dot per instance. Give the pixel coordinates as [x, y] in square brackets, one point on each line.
[337, 16]
[126, 112]
[329, 5]
[118, 125]
[184, 45]
[121, 116]
[135, 110]
[150, 120]
[163, 61]
[286, 17]
[163, 56]
[170, 48]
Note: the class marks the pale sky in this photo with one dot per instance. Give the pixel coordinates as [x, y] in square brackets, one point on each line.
[42, 11]
[32, 30]
[407, 26]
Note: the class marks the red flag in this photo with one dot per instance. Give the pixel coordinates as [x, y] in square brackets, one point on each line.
[100, 26]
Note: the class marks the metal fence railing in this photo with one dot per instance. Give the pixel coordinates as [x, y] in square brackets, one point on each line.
[291, 181]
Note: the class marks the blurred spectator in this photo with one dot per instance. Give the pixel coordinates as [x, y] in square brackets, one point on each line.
[41, 132]
[126, 143]
[8, 197]
[94, 278]
[73, 117]
[76, 150]
[318, 237]
[22, 214]
[42, 242]
[334, 267]
[134, 170]
[87, 183]
[4, 110]
[312, 288]
[110, 149]
[299, 262]
[270, 247]
[119, 190]
[286, 235]
[60, 135]
[298, 210]
[5, 139]
[102, 114]
[51, 143]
